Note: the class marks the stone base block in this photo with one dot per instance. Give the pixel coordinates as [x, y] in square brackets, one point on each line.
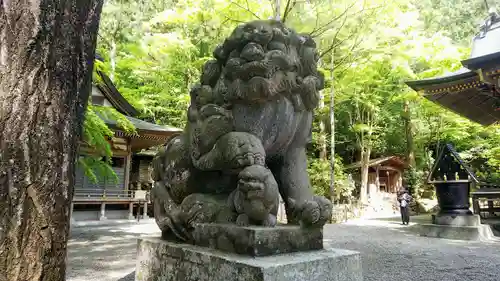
[159, 260]
[471, 233]
[258, 241]
[454, 220]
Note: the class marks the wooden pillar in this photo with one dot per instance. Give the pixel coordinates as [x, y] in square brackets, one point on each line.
[145, 216]
[490, 207]
[103, 211]
[131, 211]
[377, 178]
[475, 205]
[394, 181]
[128, 165]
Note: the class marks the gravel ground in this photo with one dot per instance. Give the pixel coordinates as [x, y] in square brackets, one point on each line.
[389, 252]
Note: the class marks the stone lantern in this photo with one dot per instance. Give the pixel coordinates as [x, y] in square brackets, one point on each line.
[452, 179]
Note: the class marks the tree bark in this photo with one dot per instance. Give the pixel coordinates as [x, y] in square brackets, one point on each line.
[46, 60]
[365, 161]
[332, 129]
[322, 132]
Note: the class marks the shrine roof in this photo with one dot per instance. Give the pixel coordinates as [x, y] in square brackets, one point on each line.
[394, 161]
[449, 150]
[473, 104]
[120, 103]
[143, 126]
[458, 77]
[109, 90]
[468, 91]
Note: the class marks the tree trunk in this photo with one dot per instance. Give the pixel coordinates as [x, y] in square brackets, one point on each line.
[365, 160]
[322, 134]
[277, 11]
[46, 60]
[332, 129]
[410, 147]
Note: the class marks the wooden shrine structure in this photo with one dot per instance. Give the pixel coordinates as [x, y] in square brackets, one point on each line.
[385, 174]
[474, 93]
[131, 161]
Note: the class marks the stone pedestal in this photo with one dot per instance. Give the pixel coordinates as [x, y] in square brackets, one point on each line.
[471, 233]
[159, 260]
[103, 212]
[456, 220]
[457, 227]
[258, 241]
[267, 254]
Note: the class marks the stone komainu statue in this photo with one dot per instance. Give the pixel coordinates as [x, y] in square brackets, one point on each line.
[249, 121]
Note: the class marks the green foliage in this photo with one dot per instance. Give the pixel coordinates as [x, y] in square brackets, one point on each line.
[154, 51]
[458, 20]
[413, 180]
[319, 173]
[97, 135]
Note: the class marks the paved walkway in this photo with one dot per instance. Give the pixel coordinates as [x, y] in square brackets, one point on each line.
[389, 252]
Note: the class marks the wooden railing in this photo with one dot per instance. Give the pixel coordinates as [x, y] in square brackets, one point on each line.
[107, 194]
[486, 199]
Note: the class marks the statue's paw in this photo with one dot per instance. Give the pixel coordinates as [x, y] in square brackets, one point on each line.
[175, 223]
[243, 220]
[312, 213]
[271, 221]
[325, 210]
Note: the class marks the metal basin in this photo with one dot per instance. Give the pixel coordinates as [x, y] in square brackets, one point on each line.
[453, 198]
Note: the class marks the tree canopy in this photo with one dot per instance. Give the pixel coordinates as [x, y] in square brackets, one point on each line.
[154, 51]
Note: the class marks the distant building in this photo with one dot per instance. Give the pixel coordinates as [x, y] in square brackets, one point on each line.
[131, 161]
[384, 174]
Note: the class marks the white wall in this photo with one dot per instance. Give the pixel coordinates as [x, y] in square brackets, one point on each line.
[97, 93]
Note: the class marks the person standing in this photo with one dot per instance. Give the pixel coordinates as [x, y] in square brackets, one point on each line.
[404, 206]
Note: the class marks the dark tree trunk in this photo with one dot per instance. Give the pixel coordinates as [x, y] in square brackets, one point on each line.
[46, 59]
[365, 162]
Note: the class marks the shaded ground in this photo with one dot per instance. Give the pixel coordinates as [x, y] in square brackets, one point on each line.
[389, 251]
[105, 253]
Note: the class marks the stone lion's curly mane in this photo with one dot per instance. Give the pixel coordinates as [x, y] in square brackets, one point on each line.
[259, 61]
